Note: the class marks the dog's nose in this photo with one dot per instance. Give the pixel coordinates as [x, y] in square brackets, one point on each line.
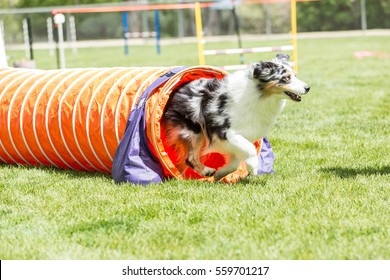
[307, 88]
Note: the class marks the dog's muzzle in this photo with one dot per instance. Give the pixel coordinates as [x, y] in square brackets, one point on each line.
[297, 97]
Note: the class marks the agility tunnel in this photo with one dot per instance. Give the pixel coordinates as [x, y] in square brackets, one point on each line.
[100, 119]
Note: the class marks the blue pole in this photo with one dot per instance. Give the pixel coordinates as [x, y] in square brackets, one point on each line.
[125, 24]
[157, 29]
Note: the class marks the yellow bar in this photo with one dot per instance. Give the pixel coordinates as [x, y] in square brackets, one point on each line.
[199, 33]
[294, 33]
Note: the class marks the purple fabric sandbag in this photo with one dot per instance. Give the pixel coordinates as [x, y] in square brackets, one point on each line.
[133, 160]
[266, 158]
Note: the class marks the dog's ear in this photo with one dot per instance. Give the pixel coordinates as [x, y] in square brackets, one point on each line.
[282, 58]
[262, 69]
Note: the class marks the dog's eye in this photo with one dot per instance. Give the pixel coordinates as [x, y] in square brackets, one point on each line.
[285, 79]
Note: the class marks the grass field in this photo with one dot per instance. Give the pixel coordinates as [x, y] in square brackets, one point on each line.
[328, 199]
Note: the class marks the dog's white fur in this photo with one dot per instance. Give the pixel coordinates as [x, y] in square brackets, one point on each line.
[255, 97]
[251, 119]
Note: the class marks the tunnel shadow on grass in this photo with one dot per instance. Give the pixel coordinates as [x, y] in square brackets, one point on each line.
[55, 170]
[344, 173]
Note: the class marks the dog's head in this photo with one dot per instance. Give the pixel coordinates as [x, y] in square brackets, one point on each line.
[277, 77]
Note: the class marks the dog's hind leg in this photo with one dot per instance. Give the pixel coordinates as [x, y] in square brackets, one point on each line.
[239, 149]
[193, 158]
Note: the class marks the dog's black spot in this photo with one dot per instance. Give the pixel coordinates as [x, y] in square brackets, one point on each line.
[180, 118]
[206, 98]
[178, 114]
[189, 164]
[266, 80]
[260, 86]
[265, 71]
[222, 100]
[219, 128]
[213, 85]
[222, 132]
[195, 127]
[257, 70]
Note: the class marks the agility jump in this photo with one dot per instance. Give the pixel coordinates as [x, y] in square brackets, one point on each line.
[198, 22]
[293, 47]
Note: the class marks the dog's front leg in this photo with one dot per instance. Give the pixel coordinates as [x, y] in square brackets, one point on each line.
[238, 149]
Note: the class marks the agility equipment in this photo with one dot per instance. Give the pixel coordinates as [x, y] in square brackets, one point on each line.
[198, 21]
[76, 119]
[59, 20]
[293, 47]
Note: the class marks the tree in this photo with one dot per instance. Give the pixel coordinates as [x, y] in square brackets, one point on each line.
[327, 15]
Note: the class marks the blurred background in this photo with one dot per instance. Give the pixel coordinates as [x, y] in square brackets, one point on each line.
[323, 15]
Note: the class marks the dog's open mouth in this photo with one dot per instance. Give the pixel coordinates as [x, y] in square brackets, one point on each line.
[293, 96]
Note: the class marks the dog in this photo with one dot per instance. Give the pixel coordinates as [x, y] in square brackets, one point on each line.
[227, 116]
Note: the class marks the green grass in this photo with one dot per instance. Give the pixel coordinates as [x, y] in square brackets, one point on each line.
[329, 197]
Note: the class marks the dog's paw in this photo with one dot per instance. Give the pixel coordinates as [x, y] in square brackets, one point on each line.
[252, 174]
[252, 165]
[208, 171]
[219, 175]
